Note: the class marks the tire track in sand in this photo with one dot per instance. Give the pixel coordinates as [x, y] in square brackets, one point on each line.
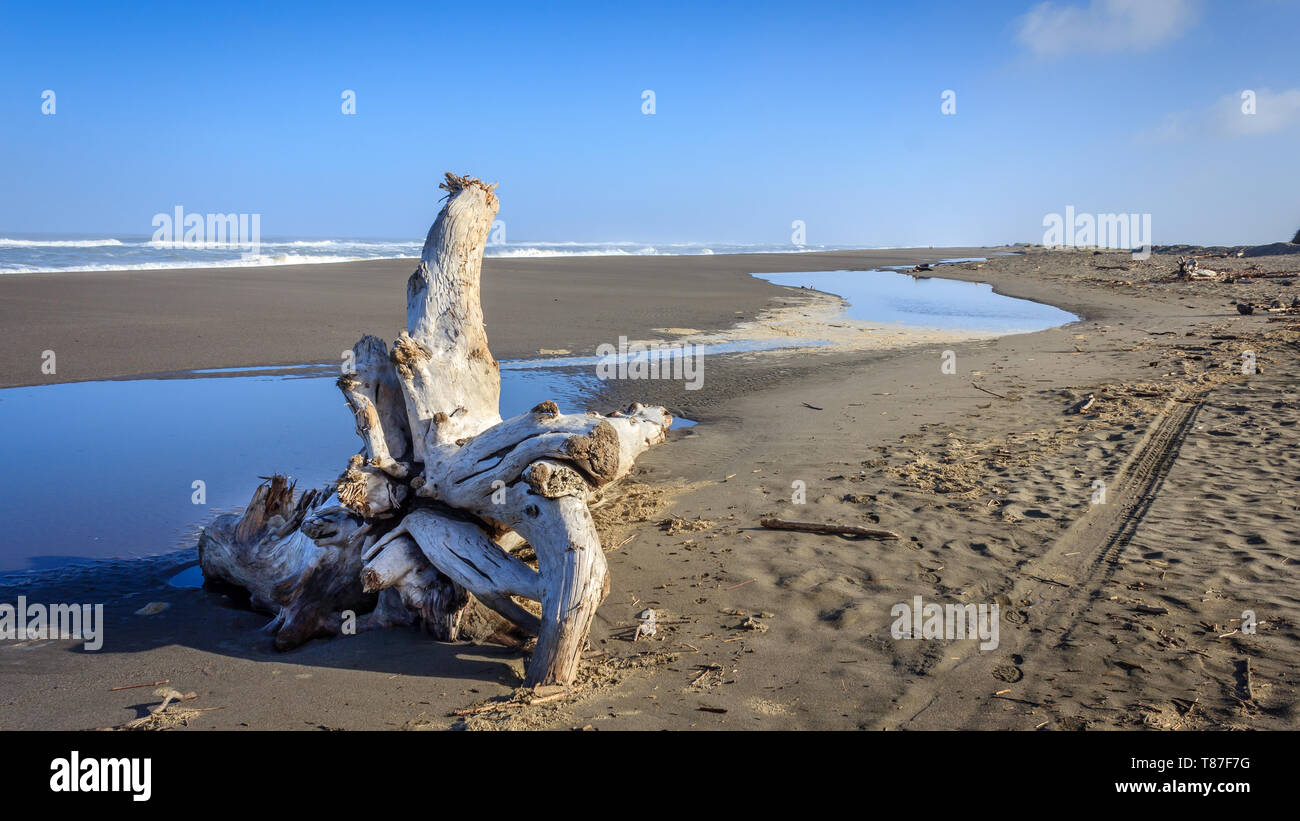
[1062, 582]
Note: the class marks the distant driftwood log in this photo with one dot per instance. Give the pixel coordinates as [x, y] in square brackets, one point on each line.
[443, 493]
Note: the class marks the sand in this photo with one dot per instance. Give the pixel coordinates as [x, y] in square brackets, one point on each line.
[1114, 616]
[105, 325]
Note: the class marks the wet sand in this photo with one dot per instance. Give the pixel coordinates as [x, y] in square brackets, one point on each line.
[105, 325]
[1119, 615]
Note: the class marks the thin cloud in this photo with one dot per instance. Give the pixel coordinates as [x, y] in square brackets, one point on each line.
[1105, 25]
[1247, 113]
[1274, 113]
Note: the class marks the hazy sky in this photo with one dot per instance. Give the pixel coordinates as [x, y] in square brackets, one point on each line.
[765, 113]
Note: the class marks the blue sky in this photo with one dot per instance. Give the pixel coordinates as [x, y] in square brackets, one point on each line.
[766, 113]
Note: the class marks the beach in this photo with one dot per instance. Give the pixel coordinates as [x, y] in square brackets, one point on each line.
[111, 324]
[1122, 613]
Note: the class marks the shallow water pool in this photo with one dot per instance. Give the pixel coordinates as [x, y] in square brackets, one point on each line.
[108, 469]
[927, 301]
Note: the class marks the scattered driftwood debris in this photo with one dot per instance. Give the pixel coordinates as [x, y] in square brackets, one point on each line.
[1244, 276]
[1274, 307]
[166, 715]
[523, 697]
[832, 529]
[1189, 269]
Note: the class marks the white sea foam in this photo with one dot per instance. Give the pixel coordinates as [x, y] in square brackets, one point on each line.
[5, 242]
[258, 261]
[35, 256]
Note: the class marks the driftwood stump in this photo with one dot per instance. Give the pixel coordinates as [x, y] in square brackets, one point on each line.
[443, 489]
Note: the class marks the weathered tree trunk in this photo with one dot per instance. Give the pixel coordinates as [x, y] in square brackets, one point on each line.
[451, 382]
[454, 486]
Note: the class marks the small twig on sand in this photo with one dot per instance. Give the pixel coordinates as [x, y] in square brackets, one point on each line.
[145, 684]
[1047, 581]
[486, 708]
[168, 696]
[545, 699]
[1019, 700]
[831, 529]
[1084, 405]
[991, 393]
[814, 407]
[1154, 611]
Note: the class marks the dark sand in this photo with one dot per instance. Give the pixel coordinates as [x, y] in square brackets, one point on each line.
[105, 325]
[1123, 615]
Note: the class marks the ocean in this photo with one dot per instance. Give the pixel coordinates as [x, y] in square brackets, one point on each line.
[27, 254]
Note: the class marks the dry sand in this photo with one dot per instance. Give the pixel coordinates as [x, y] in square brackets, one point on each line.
[1119, 615]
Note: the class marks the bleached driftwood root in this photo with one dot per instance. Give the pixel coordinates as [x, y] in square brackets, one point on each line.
[445, 489]
[458, 550]
[299, 560]
[372, 391]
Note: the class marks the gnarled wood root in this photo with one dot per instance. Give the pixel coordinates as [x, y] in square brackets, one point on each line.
[300, 561]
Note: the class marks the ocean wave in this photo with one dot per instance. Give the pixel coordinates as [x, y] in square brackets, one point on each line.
[23, 256]
[5, 242]
[258, 261]
[577, 249]
[534, 251]
[348, 243]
